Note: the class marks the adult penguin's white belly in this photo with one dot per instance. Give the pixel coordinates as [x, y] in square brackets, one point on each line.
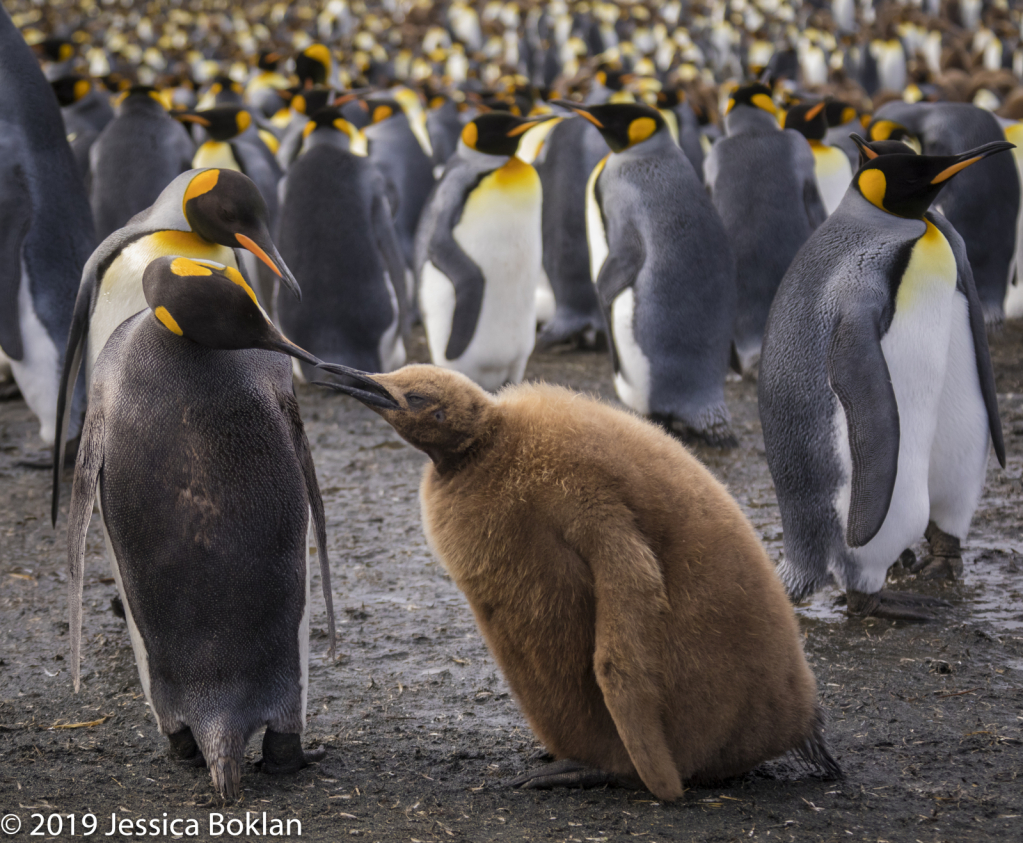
[500, 230]
[916, 350]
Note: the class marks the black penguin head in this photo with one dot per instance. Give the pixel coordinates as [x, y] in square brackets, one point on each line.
[56, 49]
[497, 132]
[311, 100]
[438, 411]
[225, 91]
[905, 184]
[313, 65]
[882, 130]
[141, 94]
[268, 60]
[838, 113]
[381, 109]
[225, 207]
[71, 89]
[808, 120]
[752, 96]
[623, 124]
[221, 123]
[331, 119]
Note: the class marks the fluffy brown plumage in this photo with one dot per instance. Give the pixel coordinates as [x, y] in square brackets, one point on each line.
[622, 591]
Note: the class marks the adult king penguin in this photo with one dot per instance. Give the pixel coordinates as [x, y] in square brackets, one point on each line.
[337, 236]
[983, 204]
[830, 163]
[201, 214]
[46, 231]
[876, 392]
[194, 439]
[478, 254]
[762, 182]
[664, 273]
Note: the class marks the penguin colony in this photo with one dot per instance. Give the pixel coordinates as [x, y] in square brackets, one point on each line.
[815, 195]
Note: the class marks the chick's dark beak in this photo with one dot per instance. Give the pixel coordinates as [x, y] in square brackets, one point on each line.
[263, 248]
[360, 385]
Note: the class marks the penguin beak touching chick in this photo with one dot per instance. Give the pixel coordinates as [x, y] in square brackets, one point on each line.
[563, 519]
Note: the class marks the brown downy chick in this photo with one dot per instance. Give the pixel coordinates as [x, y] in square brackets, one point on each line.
[622, 591]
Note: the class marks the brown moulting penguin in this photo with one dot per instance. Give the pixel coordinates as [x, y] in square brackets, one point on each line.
[620, 588]
[207, 214]
[194, 444]
[876, 392]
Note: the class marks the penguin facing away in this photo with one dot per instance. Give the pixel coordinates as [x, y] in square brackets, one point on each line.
[664, 273]
[140, 152]
[564, 519]
[762, 182]
[206, 214]
[206, 484]
[876, 392]
[337, 237]
[46, 230]
[478, 255]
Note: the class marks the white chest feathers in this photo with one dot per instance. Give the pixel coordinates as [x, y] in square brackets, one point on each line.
[500, 230]
[831, 166]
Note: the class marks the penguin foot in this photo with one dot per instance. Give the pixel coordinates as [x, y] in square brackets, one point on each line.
[569, 773]
[117, 606]
[283, 753]
[37, 459]
[716, 435]
[577, 336]
[184, 748]
[945, 561]
[892, 605]
[9, 391]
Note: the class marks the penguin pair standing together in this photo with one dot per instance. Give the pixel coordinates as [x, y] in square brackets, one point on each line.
[191, 419]
[876, 392]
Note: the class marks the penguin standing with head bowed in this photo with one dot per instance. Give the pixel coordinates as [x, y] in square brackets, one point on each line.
[762, 182]
[876, 392]
[983, 204]
[353, 274]
[207, 214]
[134, 158]
[194, 444]
[478, 255]
[46, 231]
[664, 274]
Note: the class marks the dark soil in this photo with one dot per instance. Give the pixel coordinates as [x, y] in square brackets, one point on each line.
[420, 728]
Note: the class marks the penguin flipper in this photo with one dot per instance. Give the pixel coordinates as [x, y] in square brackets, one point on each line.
[289, 405]
[619, 271]
[76, 342]
[394, 260]
[630, 601]
[467, 278]
[87, 468]
[15, 219]
[858, 374]
[965, 285]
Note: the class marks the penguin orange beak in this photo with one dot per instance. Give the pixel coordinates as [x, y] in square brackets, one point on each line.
[267, 252]
[522, 128]
[361, 386]
[970, 157]
[190, 117]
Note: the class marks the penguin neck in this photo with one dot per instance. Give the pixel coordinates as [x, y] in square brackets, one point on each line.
[748, 119]
[487, 430]
[328, 137]
[482, 161]
[654, 145]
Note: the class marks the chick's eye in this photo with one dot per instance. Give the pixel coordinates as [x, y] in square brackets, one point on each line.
[416, 402]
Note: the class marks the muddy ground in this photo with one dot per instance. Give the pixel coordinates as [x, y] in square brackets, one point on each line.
[420, 728]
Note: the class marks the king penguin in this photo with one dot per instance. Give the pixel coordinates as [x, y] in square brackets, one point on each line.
[478, 255]
[876, 392]
[664, 274]
[201, 214]
[46, 231]
[140, 152]
[337, 237]
[207, 489]
[830, 163]
[983, 204]
[762, 182]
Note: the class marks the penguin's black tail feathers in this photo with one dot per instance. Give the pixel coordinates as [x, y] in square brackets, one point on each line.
[814, 753]
[227, 777]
